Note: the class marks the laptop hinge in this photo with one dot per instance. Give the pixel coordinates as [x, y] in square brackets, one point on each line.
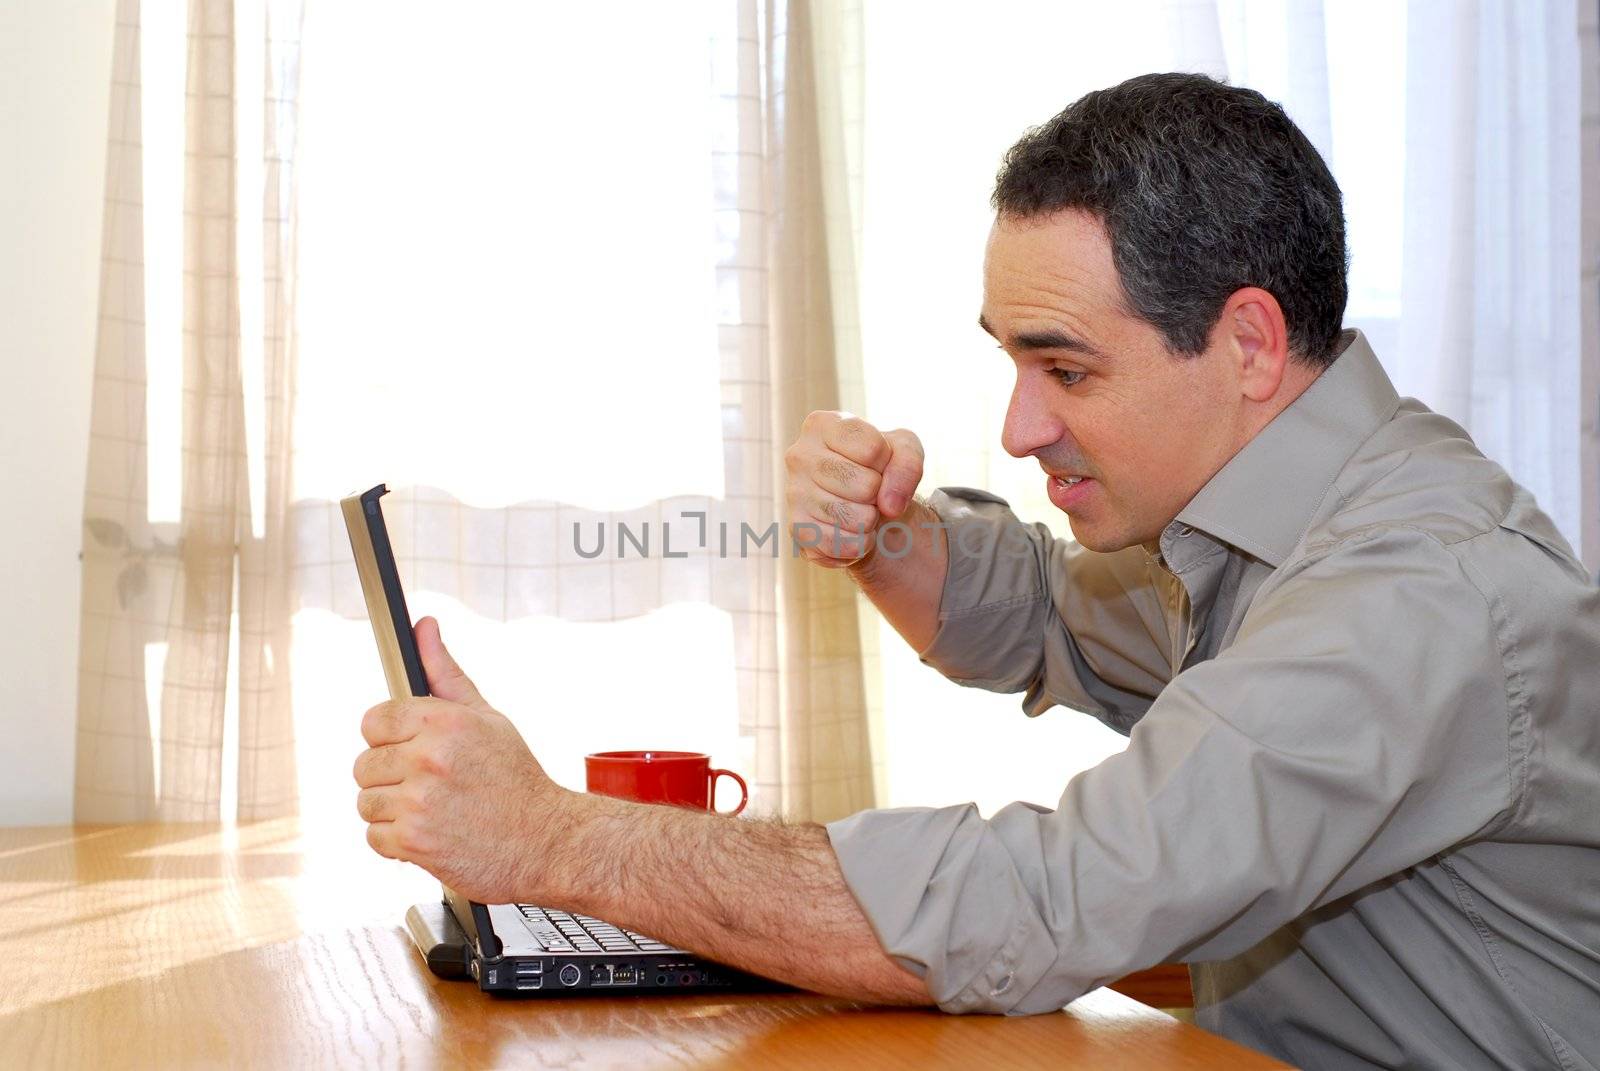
[474, 920]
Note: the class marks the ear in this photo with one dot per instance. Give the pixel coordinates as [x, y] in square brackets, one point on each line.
[1256, 338]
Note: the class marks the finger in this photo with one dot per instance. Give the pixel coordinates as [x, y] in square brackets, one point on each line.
[379, 766]
[381, 838]
[834, 513]
[393, 721]
[842, 477]
[377, 804]
[835, 529]
[858, 441]
[902, 474]
[445, 678]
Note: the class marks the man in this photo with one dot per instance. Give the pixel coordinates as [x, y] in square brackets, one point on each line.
[1358, 667]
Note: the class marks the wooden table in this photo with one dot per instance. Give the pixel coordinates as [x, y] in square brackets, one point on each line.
[260, 945]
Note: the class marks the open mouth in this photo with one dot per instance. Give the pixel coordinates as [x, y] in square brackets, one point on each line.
[1070, 492]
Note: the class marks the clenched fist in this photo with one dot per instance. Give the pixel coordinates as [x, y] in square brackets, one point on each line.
[846, 480]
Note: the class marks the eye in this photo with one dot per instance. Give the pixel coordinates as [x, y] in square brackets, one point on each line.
[1066, 376]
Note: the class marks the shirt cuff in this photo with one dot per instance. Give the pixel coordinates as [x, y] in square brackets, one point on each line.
[945, 899]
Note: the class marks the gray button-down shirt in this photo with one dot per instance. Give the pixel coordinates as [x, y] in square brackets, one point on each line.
[1361, 793]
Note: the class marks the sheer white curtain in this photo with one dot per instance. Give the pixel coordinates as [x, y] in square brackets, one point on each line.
[509, 316]
[1452, 129]
[183, 683]
[1492, 301]
[569, 284]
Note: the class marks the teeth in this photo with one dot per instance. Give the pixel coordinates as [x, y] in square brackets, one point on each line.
[1069, 480]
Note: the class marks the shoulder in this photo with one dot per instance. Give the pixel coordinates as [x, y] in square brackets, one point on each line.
[1419, 472]
[1419, 491]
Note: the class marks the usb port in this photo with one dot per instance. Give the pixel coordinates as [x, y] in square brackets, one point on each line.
[625, 976]
[527, 967]
[525, 982]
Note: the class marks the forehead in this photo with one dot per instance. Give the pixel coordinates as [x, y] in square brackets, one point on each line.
[1051, 267]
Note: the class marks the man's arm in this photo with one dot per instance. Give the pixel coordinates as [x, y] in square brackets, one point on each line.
[1337, 742]
[983, 598]
[903, 573]
[760, 896]
[763, 896]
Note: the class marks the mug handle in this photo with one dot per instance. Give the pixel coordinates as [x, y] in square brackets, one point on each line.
[744, 792]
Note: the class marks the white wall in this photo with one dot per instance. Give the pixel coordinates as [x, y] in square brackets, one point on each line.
[55, 74]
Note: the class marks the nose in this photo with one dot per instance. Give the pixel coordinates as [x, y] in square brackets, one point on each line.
[1030, 423]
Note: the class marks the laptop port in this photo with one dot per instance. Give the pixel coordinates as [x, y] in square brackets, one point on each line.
[625, 976]
[661, 979]
[529, 967]
[570, 975]
[600, 974]
[525, 982]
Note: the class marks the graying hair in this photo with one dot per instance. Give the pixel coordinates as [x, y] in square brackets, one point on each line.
[1203, 188]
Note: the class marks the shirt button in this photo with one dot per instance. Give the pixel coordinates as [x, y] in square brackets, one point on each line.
[1005, 984]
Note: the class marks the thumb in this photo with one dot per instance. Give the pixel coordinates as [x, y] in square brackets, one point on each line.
[445, 678]
[902, 474]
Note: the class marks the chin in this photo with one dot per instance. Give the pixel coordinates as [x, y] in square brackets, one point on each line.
[1097, 539]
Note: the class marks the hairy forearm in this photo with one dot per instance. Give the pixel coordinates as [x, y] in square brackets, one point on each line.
[762, 896]
[904, 574]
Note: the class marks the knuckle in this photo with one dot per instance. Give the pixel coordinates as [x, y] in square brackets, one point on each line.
[436, 763]
[818, 419]
[855, 428]
[837, 470]
[410, 839]
[846, 548]
[850, 516]
[840, 513]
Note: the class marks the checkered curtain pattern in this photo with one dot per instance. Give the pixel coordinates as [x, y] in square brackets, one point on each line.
[786, 87]
[178, 588]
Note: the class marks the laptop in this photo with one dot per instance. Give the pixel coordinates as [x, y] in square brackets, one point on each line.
[508, 948]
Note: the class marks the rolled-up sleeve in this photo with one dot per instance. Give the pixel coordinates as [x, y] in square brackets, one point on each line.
[1024, 611]
[1362, 722]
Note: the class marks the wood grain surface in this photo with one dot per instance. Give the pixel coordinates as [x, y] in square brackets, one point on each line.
[1166, 986]
[260, 946]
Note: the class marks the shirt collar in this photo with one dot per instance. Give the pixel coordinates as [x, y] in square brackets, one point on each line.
[1263, 500]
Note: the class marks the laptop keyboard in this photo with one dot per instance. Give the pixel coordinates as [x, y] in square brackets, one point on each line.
[559, 931]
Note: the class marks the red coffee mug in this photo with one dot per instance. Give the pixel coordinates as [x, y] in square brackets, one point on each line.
[681, 778]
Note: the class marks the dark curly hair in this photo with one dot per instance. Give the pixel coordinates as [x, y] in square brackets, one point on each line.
[1203, 188]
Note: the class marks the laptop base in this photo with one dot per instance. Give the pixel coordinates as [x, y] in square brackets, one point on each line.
[449, 953]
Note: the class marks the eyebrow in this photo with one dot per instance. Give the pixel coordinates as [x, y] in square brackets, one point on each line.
[1050, 339]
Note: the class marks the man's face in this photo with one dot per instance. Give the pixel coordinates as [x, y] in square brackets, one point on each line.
[1098, 394]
